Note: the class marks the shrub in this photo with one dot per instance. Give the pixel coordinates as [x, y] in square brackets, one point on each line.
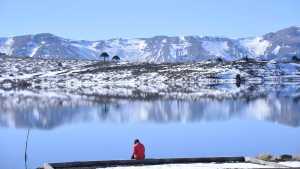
[265, 157]
[116, 58]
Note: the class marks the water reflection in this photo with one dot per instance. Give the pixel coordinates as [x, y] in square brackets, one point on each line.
[46, 110]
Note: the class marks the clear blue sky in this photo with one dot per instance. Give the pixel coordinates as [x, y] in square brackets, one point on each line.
[103, 19]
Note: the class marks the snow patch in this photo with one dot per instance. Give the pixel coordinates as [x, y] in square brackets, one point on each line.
[256, 46]
[34, 50]
[93, 46]
[180, 49]
[182, 38]
[85, 51]
[197, 165]
[216, 48]
[139, 44]
[7, 48]
[128, 50]
[276, 50]
[291, 163]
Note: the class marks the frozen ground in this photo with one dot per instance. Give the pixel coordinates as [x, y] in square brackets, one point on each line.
[210, 166]
[192, 80]
[198, 166]
[291, 163]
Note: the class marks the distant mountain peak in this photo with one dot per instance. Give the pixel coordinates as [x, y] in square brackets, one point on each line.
[281, 45]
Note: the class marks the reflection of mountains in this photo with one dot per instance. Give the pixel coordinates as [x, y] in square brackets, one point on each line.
[46, 111]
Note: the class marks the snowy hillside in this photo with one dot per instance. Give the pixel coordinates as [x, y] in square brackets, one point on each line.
[136, 80]
[281, 45]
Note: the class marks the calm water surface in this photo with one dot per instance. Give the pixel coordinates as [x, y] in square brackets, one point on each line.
[77, 129]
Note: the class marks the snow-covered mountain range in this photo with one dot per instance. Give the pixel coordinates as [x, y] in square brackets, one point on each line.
[280, 45]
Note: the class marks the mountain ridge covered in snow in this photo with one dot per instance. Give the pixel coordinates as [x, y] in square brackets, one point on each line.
[280, 45]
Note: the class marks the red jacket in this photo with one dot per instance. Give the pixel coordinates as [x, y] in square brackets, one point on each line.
[139, 151]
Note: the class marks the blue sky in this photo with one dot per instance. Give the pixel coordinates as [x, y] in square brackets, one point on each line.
[103, 19]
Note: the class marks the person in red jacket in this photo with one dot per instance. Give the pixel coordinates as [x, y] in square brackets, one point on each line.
[138, 150]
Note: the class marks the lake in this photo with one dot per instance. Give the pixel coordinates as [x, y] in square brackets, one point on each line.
[70, 127]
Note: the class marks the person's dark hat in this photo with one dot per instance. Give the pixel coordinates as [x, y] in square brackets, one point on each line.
[136, 141]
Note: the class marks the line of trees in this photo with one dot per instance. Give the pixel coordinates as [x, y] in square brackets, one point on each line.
[105, 55]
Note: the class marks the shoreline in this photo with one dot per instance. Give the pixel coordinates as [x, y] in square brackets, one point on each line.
[284, 161]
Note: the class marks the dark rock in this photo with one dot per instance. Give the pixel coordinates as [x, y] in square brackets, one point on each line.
[238, 80]
[2, 54]
[23, 84]
[59, 64]
[285, 157]
[7, 83]
[38, 81]
[296, 59]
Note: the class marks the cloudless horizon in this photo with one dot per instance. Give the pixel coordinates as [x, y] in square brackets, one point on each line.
[100, 19]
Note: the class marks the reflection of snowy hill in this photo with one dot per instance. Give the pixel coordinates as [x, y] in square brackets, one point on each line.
[280, 104]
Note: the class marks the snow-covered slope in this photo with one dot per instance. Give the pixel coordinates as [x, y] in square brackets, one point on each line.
[256, 46]
[282, 45]
[35, 92]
